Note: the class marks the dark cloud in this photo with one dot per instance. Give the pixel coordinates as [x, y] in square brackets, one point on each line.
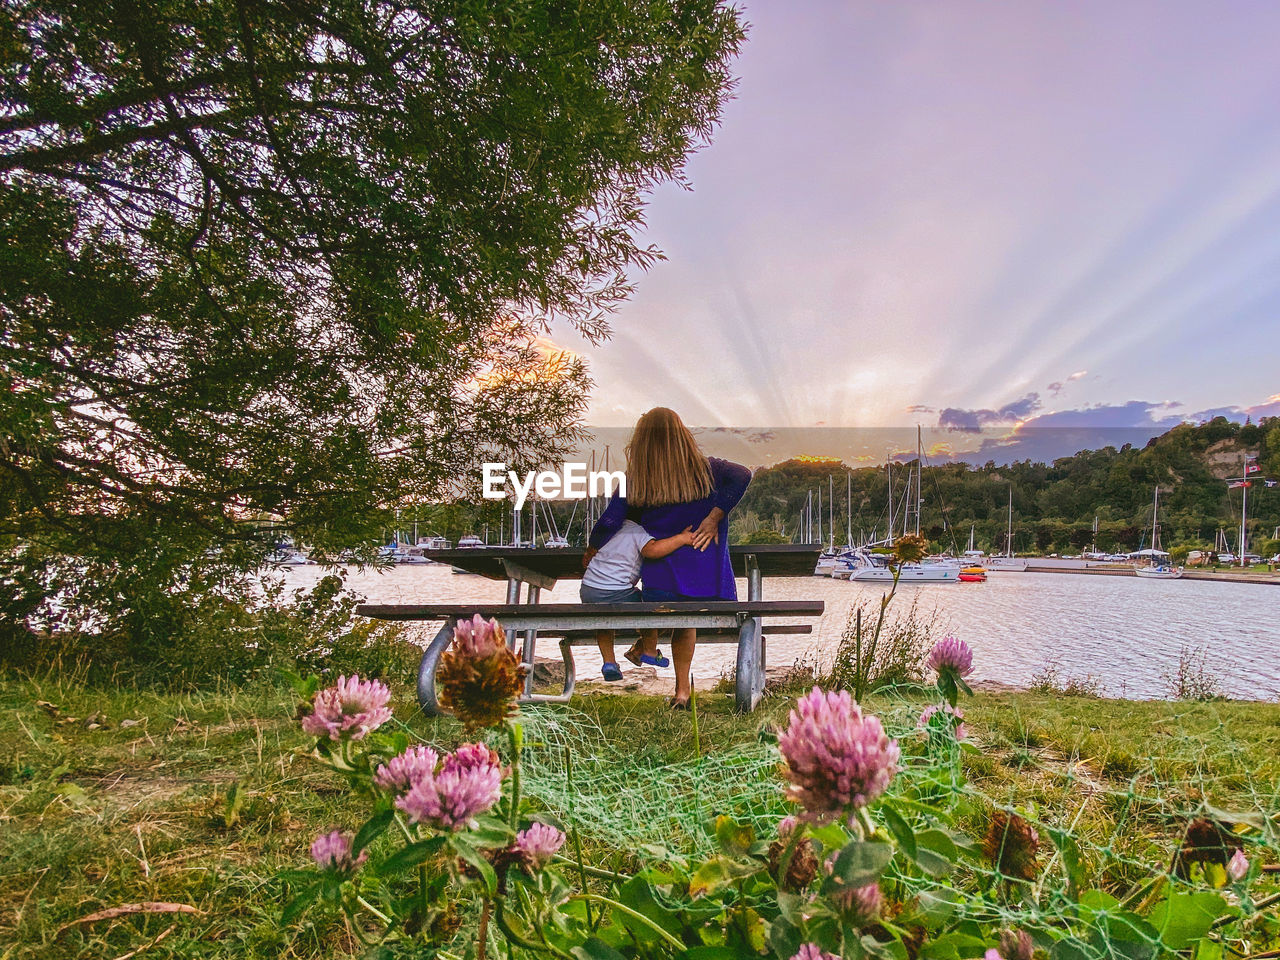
[1048, 437]
[920, 408]
[1056, 387]
[749, 434]
[972, 421]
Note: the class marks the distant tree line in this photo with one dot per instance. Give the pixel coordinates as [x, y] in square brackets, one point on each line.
[1054, 505]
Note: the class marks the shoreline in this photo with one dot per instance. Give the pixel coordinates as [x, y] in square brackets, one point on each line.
[1217, 576]
[646, 681]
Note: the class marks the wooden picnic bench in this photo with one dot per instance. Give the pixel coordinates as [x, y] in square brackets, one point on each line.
[575, 624]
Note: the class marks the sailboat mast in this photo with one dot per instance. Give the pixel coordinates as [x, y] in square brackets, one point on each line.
[1244, 507]
[831, 512]
[889, 467]
[1155, 514]
[919, 476]
[848, 500]
[1008, 536]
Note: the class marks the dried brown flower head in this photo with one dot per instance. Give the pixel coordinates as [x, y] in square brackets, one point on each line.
[910, 549]
[1205, 842]
[1012, 845]
[803, 867]
[479, 676]
[1016, 945]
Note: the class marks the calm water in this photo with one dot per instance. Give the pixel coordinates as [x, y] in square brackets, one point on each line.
[1123, 631]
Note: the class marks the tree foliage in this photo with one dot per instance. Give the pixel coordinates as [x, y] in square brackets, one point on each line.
[293, 261]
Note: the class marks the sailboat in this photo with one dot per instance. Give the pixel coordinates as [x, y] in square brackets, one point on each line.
[1008, 561]
[1158, 566]
[864, 566]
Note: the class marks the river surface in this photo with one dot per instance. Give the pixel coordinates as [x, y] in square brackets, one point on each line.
[1125, 633]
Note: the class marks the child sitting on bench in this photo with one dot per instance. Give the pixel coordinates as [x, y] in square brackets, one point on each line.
[611, 575]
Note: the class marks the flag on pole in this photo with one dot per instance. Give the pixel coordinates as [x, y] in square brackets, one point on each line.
[1236, 484]
[1271, 483]
[1251, 468]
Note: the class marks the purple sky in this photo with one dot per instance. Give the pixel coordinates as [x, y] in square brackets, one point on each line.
[971, 214]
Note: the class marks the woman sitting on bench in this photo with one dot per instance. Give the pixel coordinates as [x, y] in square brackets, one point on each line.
[610, 575]
[672, 486]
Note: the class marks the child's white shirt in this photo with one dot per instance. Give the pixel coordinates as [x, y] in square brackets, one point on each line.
[616, 566]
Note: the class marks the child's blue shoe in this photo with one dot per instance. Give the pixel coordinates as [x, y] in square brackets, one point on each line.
[658, 661]
[611, 671]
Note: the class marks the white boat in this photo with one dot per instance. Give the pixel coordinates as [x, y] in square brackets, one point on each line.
[826, 564]
[1159, 571]
[470, 542]
[868, 567]
[557, 542]
[1016, 564]
[289, 558]
[1153, 563]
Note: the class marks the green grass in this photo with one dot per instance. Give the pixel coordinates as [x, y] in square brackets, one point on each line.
[111, 797]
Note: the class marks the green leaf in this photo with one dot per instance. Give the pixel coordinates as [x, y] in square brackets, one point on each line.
[899, 828]
[938, 905]
[785, 938]
[936, 853]
[832, 837]
[638, 895]
[1071, 949]
[1184, 918]
[596, 949]
[372, 828]
[893, 950]
[410, 856]
[1072, 859]
[304, 898]
[734, 839]
[718, 872]
[462, 846]
[1098, 900]
[953, 946]
[860, 862]
[499, 835]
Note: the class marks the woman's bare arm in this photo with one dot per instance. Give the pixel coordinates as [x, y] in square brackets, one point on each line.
[708, 531]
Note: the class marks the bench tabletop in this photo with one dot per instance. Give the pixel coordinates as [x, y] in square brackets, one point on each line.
[565, 563]
[569, 612]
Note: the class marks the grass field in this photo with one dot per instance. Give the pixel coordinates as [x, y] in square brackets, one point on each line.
[197, 800]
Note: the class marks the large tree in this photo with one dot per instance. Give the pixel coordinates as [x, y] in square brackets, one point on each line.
[289, 259]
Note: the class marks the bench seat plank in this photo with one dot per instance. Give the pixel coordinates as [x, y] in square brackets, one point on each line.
[572, 611]
[719, 620]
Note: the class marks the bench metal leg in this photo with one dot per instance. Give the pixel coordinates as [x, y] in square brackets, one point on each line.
[570, 679]
[530, 646]
[427, 669]
[750, 674]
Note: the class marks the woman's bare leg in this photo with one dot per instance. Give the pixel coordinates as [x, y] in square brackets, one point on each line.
[682, 644]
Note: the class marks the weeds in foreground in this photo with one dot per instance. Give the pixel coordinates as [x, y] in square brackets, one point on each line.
[865, 662]
[1050, 680]
[1192, 679]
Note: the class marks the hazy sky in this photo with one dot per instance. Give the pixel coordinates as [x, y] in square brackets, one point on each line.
[971, 214]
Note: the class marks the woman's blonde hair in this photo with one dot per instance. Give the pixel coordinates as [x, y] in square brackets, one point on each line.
[664, 464]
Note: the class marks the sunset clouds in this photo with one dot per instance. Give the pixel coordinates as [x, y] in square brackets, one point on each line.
[1015, 214]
